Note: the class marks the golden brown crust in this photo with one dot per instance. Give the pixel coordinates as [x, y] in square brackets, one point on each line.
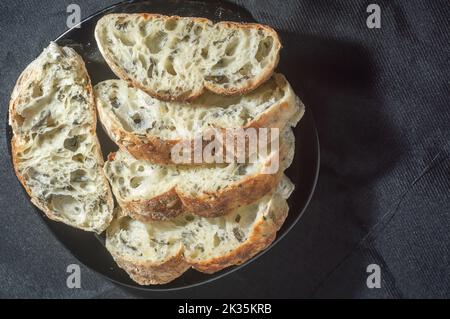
[262, 235]
[149, 148]
[15, 96]
[15, 148]
[165, 206]
[173, 202]
[262, 77]
[146, 273]
[158, 151]
[282, 113]
[118, 71]
[42, 207]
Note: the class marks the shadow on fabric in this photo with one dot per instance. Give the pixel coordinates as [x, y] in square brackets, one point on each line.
[336, 80]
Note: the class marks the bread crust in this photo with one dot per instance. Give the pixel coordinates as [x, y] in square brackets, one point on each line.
[174, 202]
[156, 150]
[261, 78]
[15, 148]
[147, 273]
[262, 235]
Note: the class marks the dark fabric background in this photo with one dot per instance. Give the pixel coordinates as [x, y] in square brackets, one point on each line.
[381, 103]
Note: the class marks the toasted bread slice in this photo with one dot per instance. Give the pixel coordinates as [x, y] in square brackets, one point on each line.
[55, 150]
[148, 191]
[148, 128]
[159, 252]
[175, 58]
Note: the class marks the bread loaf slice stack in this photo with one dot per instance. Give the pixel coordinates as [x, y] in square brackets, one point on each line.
[148, 128]
[147, 191]
[180, 78]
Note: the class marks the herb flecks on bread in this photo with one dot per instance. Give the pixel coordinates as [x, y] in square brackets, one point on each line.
[159, 252]
[149, 128]
[55, 149]
[147, 191]
[176, 58]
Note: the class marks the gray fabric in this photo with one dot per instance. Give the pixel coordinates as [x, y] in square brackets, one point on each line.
[380, 99]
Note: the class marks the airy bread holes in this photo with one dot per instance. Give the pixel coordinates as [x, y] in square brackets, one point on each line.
[142, 60]
[59, 131]
[19, 119]
[150, 69]
[205, 52]
[231, 47]
[222, 63]
[264, 48]
[238, 234]
[125, 39]
[198, 30]
[168, 66]
[121, 25]
[198, 41]
[37, 91]
[137, 119]
[73, 143]
[136, 181]
[174, 43]
[142, 29]
[49, 135]
[115, 102]
[78, 158]
[78, 176]
[216, 240]
[246, 70]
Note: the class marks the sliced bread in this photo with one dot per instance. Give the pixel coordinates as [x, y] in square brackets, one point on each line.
[149, 128]
[147, 191]
[158, 252]
[175, 58]
[55, 150]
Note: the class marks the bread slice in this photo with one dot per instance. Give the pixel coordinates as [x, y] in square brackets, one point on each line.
[148, 128]
[175, 58]
[158, 252]
[55, 150]
[148, 191]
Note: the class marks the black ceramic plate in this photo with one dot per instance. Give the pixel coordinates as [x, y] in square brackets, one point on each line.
[89, 248]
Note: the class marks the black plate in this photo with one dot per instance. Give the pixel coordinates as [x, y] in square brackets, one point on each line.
[88, 247]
